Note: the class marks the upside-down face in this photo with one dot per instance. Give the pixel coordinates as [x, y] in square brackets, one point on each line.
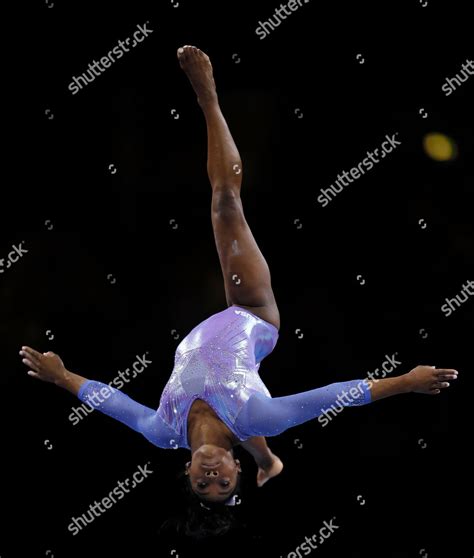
[213, 473]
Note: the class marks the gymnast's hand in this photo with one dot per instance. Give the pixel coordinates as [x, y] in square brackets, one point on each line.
[429, 379]
[48, 367]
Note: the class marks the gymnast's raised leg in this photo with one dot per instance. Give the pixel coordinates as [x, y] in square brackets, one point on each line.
[246, 273]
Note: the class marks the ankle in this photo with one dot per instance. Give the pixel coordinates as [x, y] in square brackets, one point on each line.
[208, 101]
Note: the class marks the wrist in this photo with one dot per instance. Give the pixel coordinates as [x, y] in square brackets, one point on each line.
[70, 381]
[64, 379]
[405, 383]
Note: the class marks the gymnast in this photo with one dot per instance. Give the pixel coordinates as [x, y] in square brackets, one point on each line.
[215, 399]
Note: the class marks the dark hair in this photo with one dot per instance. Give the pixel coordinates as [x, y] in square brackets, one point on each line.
[202, 519]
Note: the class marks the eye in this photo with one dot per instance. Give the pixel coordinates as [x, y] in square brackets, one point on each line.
[201, 484]
[225, 484]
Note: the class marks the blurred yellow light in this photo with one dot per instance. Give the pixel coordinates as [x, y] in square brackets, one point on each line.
[440, 147]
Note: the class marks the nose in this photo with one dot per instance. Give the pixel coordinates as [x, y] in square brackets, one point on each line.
[211, 473]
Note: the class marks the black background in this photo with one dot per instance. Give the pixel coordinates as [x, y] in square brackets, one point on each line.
[118, 227]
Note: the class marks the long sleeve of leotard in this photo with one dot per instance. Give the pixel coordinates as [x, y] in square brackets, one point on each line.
[121, 407]
[269, 416]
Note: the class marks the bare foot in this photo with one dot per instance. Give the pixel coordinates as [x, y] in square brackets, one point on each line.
[197, 66]
[265, 474]
[430, 380]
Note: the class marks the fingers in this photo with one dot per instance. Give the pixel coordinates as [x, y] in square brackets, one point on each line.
[33, 359]
[437, 387]
[446, 372]
[440, 385]
[443, 377]
[31, 364]
[31, 355]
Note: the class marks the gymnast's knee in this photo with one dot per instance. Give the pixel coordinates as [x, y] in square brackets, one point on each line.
[226, 204]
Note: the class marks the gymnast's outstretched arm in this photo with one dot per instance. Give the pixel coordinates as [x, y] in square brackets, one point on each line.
[267, 416]
[110, 401]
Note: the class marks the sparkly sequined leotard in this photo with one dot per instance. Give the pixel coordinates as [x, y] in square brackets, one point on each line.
[218, 362]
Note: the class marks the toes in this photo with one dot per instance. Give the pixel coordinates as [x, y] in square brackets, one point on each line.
[187, 53]
[190, 49]
[183, 51]
[435, 391]
[181, 55]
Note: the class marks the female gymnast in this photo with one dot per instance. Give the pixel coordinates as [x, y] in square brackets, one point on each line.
[215, 399]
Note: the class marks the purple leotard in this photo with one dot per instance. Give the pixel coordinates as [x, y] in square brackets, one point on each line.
[218, 362]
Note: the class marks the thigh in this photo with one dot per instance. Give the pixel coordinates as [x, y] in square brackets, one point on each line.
[247, 277]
